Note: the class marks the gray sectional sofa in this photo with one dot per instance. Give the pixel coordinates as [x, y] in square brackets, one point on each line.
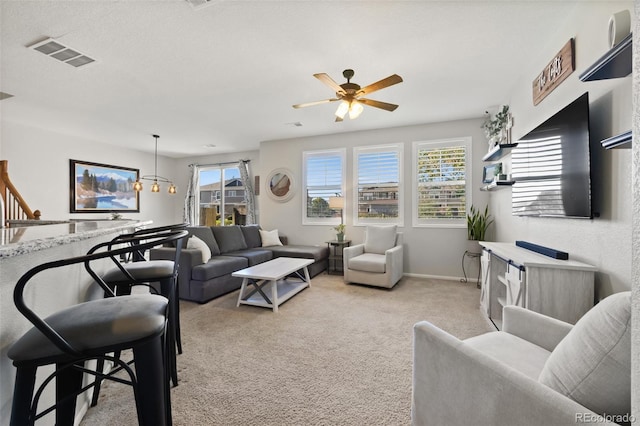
[232, 248]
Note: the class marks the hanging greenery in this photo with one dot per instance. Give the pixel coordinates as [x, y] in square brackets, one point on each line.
[494, 126]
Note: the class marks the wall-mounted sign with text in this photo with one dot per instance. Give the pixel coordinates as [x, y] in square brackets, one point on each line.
[560, 67]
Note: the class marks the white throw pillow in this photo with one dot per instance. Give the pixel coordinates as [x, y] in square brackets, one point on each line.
[592, 364]
[196, 243]
[270, 238]
[380, 238]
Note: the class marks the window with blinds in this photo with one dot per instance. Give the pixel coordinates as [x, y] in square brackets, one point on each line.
[323, 174]
[441, 182]
[378, 170]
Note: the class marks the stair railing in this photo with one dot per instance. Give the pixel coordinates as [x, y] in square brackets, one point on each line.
[14, 207]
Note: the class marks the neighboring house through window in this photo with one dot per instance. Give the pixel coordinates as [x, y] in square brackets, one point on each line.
[219, 205]
[378, 175]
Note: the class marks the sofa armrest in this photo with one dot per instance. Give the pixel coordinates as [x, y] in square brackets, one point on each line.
[188, 259]
[349, 253]
[534, 327]
[454, 384]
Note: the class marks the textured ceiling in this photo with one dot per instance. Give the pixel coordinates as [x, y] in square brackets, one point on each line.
[227, 74]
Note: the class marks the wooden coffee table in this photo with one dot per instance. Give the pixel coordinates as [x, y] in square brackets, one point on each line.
[269, 279]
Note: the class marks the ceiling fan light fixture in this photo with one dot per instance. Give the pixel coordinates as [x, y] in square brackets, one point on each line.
[355, 109]
[342, 110]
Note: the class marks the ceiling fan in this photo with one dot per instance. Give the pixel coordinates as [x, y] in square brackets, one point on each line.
[351, 94]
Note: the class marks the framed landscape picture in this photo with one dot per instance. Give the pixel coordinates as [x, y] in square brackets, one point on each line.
[102, 188]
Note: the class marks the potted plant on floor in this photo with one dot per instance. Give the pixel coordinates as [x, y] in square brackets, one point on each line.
[477, 224]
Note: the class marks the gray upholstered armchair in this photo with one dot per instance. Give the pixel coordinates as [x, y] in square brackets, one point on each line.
[537, 371]
[378, 261]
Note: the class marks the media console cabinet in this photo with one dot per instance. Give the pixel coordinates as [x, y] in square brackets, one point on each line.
[511, 275]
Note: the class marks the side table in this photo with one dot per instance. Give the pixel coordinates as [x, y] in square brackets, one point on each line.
[471, 255]
[335, 264]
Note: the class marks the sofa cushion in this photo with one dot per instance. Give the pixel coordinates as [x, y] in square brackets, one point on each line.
[380, 238]
[206, 235]
[229, 238]
[511, 350]
[317, 253]
[197, 244]
[218, 266]
[270, 238]
[251, 235]
[369, 262]
[254, 256]
[592, 364]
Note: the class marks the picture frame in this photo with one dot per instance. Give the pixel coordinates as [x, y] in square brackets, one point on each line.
[280, 185]
[491, 172]
[102, 188]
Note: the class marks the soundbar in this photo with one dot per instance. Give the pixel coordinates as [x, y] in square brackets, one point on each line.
[556, 254]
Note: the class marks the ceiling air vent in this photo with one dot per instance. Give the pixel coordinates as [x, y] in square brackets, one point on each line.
[62, 53]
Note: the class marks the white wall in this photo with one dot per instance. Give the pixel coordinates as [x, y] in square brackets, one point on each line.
[39, 168]
[604, 242]
[428, 251]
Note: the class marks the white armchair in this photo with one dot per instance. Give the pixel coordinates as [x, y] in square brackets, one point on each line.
[537, 371]
[378, 261]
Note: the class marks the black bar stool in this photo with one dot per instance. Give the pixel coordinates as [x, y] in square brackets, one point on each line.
[124, 276]
[88, 331]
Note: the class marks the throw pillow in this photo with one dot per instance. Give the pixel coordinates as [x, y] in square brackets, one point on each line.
[196, 243]
[270, 238]
[380, 239]
[592, 364]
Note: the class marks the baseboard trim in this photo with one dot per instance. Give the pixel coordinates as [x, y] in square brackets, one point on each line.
[440, 277]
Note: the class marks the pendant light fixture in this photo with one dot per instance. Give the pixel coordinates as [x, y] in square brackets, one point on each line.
[155, 186]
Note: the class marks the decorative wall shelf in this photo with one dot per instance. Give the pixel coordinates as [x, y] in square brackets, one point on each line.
[499, 151]
[499, 184]
[622, 140]
[616, 63]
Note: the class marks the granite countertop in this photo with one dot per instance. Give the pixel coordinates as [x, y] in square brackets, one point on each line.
[22, 240]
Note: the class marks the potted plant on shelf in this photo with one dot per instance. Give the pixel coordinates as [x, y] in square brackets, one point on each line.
[340, 231]
[477, 224]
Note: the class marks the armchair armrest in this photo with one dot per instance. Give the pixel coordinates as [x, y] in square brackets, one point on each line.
[454, 384]
[534, 327]
[349, 253]
[394, 262]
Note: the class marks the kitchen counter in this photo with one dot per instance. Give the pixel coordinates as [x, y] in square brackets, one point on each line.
[27, 239]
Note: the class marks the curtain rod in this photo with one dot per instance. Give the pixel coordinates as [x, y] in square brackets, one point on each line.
[219, 164]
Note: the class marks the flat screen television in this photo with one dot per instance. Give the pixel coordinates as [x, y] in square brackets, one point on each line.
[551, 166]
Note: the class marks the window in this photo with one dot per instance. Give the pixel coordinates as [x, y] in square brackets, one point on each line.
[441, 188]
[217, 206]
[324, 173]
[378, 173]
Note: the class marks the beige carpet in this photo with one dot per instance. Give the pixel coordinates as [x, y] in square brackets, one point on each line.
[335, 354]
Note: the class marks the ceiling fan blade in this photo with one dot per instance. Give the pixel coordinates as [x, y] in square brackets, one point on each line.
[385, 82]
[315, 103]
[378, 104]
[329, 82]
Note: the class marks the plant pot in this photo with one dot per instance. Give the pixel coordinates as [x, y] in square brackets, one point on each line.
[473, 246]
[340, 237]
